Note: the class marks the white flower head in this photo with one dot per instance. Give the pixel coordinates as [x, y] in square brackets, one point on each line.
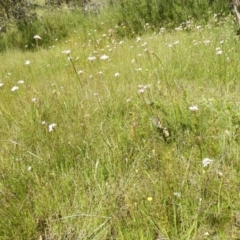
[67, 52]
[138, 39]
[142, 88]
[51, 127]
[29, 168]
[178, 28]
[162, 30]
[1, 84]
[206, 162]
[20, 82]
[219, 52]
[15, 88]
[104, 57]
[91, 58]
[80, 72]
[193, 108]
[117, 74]
[27, 62]
[37, 37]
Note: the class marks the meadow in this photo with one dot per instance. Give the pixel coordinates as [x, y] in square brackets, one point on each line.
[122, 138]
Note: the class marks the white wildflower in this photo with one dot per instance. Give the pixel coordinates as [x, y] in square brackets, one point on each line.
[219, 52]
[80, 72]
[15, 88]
[138, 39]
[117, 74]
[206, 162]
[91, 58]
[51, 127]
[162, 30]
[37, 37]
[142, 88]
[67, 52]
[104, 57]
[20, 82]
[178, 29]
[1, 84]
[29, 168]
[27, 62]
[193, 108]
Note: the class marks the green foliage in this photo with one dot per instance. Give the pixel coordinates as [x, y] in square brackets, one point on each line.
[52, 26]
[135, 14]
[133, 17]
[124, 158]
[14, 11]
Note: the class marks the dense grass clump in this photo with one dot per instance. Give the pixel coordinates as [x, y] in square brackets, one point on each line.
[136, 16]
[132, 17]
[108, 138]
[53, 25]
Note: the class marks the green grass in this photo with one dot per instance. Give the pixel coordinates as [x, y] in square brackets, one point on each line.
[107, 170]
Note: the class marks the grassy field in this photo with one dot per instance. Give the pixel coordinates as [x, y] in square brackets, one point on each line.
[107, 138]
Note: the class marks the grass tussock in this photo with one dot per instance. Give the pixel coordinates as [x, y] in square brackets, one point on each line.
[107, 138]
